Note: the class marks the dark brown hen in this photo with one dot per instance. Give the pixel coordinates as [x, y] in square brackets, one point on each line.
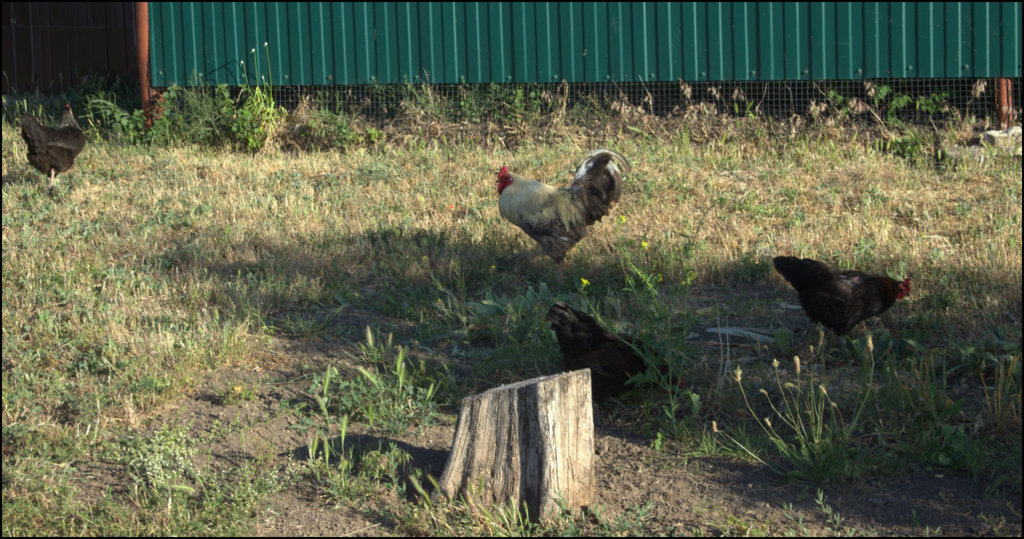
[52, 151]
[585, 344]
[839, 300]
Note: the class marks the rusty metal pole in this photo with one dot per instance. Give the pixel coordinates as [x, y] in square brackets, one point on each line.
[1004, 102]
[142, 46]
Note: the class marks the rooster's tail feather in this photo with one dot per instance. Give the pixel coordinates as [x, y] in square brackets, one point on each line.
[598, 181]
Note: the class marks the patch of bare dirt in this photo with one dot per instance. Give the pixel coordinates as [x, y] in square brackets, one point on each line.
[727, 497]
[685, 495]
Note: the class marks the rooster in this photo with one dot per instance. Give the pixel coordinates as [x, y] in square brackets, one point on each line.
[558, 218]
[584, 344]
[50, 150]
[839, 300]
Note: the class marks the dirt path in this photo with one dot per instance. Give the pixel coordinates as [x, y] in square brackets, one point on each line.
[683, 496]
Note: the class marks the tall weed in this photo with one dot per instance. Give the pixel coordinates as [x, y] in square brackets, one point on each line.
[812, 435]
[259, 115]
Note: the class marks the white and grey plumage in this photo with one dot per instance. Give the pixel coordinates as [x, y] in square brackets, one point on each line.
[558, 218]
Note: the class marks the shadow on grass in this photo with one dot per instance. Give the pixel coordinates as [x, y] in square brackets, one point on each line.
[378, 458]
[394, 270]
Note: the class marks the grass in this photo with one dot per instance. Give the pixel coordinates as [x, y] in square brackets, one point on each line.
[158, 263]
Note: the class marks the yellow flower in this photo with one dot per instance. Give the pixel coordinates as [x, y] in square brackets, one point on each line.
[622, 218]
[585, 282]
[644, 244]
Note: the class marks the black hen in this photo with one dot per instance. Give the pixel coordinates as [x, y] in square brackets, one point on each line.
[839, 300]
[50, 150]
[585, 344]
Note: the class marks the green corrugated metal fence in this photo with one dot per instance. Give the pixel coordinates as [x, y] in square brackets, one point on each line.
[313, 43]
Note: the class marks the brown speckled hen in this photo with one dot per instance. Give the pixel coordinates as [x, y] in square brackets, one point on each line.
[52, 151]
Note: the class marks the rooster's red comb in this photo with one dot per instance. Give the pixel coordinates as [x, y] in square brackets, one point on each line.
[503, 173]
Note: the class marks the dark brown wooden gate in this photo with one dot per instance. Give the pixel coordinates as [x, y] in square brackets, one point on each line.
[50, 45]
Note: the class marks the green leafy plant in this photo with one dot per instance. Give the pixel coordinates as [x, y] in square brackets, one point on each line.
[519, 318]
[910, 145]
[237, 393]
[676, 406]
[812, 435]
[197, 114]
[162, 463]
[932, 104]
[314, 126]
[391, 394]
[126, 126]
[258, 115]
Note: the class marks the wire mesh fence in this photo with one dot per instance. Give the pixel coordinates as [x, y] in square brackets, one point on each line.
[906, 100]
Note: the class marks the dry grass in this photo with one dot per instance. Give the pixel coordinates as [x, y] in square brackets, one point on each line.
[166, 234]
[156, 264]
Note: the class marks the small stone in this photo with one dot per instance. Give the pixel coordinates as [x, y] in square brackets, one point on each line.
[1006, 138]
[1014, 131]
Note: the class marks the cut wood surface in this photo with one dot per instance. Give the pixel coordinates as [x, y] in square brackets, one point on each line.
[527, 443]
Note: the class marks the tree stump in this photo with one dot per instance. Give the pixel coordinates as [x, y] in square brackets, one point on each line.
[525, 444]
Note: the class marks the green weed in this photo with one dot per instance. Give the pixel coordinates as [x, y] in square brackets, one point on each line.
[832, 517]
[817, 443]
[163, 463]
[345, 471]
[391, 393]
[259, 115]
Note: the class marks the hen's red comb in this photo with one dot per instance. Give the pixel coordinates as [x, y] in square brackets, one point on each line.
[903, 289]
[503, 173]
